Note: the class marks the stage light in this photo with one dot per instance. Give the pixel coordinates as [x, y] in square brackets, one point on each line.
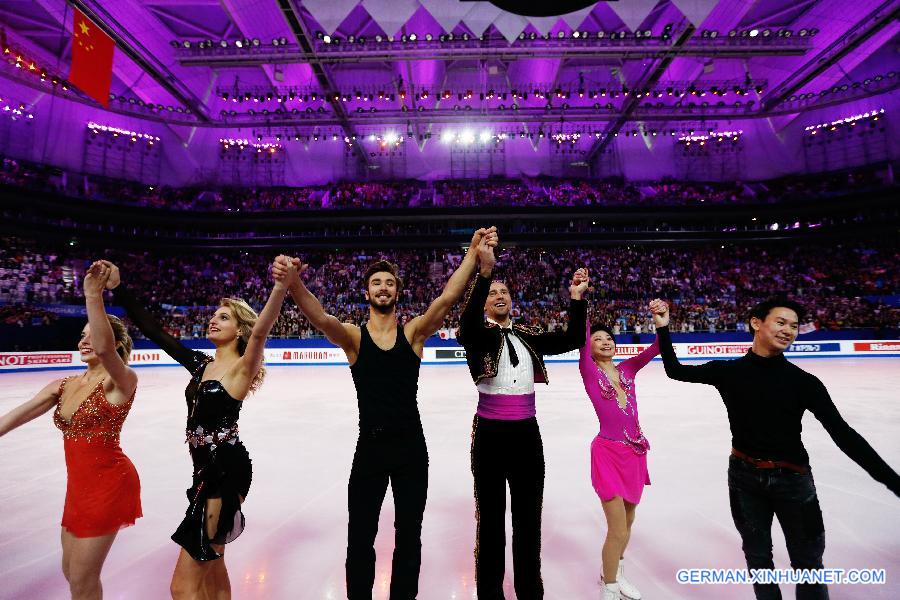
[256, 41]
[413, 37]
[326, 39]
[447, 136]
[186, 43]
[428, 37]
[754, 32]
[484, 137]
[391, 138]
[767, 32]
[239, 43]
[467, 137]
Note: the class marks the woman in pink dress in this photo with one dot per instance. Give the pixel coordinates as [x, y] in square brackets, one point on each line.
[619, 452]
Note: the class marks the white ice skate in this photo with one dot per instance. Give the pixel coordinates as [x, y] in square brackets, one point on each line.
[628, 591]
[611, 591]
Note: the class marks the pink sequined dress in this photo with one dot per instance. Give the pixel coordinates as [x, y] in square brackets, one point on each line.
[103, 492]
[619, 452]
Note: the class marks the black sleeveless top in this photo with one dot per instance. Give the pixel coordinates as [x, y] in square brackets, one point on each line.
[209, 404]
[387, 382]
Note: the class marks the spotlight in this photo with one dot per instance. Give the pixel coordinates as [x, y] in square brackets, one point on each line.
[239, 44]
[484, 137]
[186, 44]
[428, 37]
[754, 32]
[413, 37]
[256, 41]
[467, 137]
[446, 136]
[326, 39]
[767, 32]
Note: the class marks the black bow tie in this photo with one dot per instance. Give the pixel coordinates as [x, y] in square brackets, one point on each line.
[513, 357]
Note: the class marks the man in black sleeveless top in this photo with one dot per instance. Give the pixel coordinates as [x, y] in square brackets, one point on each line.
[768, 470]
[384, 359]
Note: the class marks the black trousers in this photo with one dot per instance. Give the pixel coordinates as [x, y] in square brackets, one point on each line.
[758, 495]
[400, 458]
[508, 451]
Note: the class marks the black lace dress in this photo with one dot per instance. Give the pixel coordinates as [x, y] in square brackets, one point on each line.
[222, 467]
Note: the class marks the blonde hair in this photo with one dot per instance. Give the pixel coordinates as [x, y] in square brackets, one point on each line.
[122, 338]
[246, 318]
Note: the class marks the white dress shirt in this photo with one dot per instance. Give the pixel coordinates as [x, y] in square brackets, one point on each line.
[511, 380]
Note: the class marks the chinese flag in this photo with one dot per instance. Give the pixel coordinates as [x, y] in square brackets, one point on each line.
[92, 55]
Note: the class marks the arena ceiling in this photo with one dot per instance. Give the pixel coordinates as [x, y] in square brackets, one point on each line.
[349, 67]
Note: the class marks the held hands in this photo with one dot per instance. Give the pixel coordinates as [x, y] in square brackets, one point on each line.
[487, 241]
[580, 283]
[660, 312]
[114, 277]
[480, 234]
[95, 279]
[286, 271]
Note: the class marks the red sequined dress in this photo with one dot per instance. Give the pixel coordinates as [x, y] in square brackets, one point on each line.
[103, 493]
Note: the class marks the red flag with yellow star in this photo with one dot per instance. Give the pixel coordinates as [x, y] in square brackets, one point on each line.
[92, 56]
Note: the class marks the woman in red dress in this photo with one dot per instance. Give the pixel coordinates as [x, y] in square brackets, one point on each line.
[103, 490]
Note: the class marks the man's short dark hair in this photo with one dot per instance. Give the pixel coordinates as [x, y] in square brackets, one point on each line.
[762, 310]
[601, 327]
[385, 267]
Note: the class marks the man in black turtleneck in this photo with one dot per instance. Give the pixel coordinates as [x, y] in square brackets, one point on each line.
[768, 471]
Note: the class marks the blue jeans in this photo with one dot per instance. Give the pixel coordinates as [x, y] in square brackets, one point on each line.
[757, 495]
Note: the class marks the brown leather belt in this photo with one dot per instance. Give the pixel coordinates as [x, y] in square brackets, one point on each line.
[768, 464]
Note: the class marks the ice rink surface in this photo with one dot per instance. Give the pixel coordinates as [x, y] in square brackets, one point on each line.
[301, 430]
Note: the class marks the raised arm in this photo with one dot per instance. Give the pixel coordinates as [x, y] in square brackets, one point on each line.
[103, 340]
[705, 373]
[558, 342]
[252, 358]
[337, 333]
[43, 401]
[636, 363]
[424, 326]
[585, 361]
[145, 322]
[471, 319]
[848, 440]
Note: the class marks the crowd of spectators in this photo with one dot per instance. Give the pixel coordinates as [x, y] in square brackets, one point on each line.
[450, 193]
[711, 287]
